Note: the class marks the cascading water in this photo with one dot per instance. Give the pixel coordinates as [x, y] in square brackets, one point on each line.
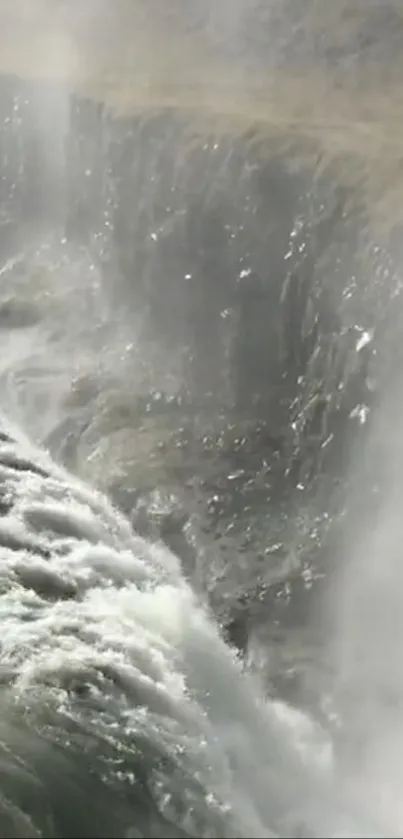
[123, 711]
[200, 317]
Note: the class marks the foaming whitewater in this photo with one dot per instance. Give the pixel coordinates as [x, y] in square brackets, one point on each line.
[123, 712]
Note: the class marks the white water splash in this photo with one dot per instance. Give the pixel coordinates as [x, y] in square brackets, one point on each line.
[120, 701]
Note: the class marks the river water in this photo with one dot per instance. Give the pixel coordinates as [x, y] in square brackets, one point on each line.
[201, 320]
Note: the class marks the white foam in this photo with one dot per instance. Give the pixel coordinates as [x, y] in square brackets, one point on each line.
[108, 659]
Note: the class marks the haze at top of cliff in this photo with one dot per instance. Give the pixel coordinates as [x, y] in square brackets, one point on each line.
[327, 73]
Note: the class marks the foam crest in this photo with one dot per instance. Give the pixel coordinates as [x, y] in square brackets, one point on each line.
[123, 712]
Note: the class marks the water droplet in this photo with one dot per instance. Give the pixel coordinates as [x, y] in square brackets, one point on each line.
[364, 339]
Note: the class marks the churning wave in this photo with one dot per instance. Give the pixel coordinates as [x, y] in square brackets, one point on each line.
[122, 711]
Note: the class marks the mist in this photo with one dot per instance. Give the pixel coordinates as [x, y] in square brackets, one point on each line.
[201, 315]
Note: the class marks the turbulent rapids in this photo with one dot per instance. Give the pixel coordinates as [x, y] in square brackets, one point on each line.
[123, 712]
[201, 309]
